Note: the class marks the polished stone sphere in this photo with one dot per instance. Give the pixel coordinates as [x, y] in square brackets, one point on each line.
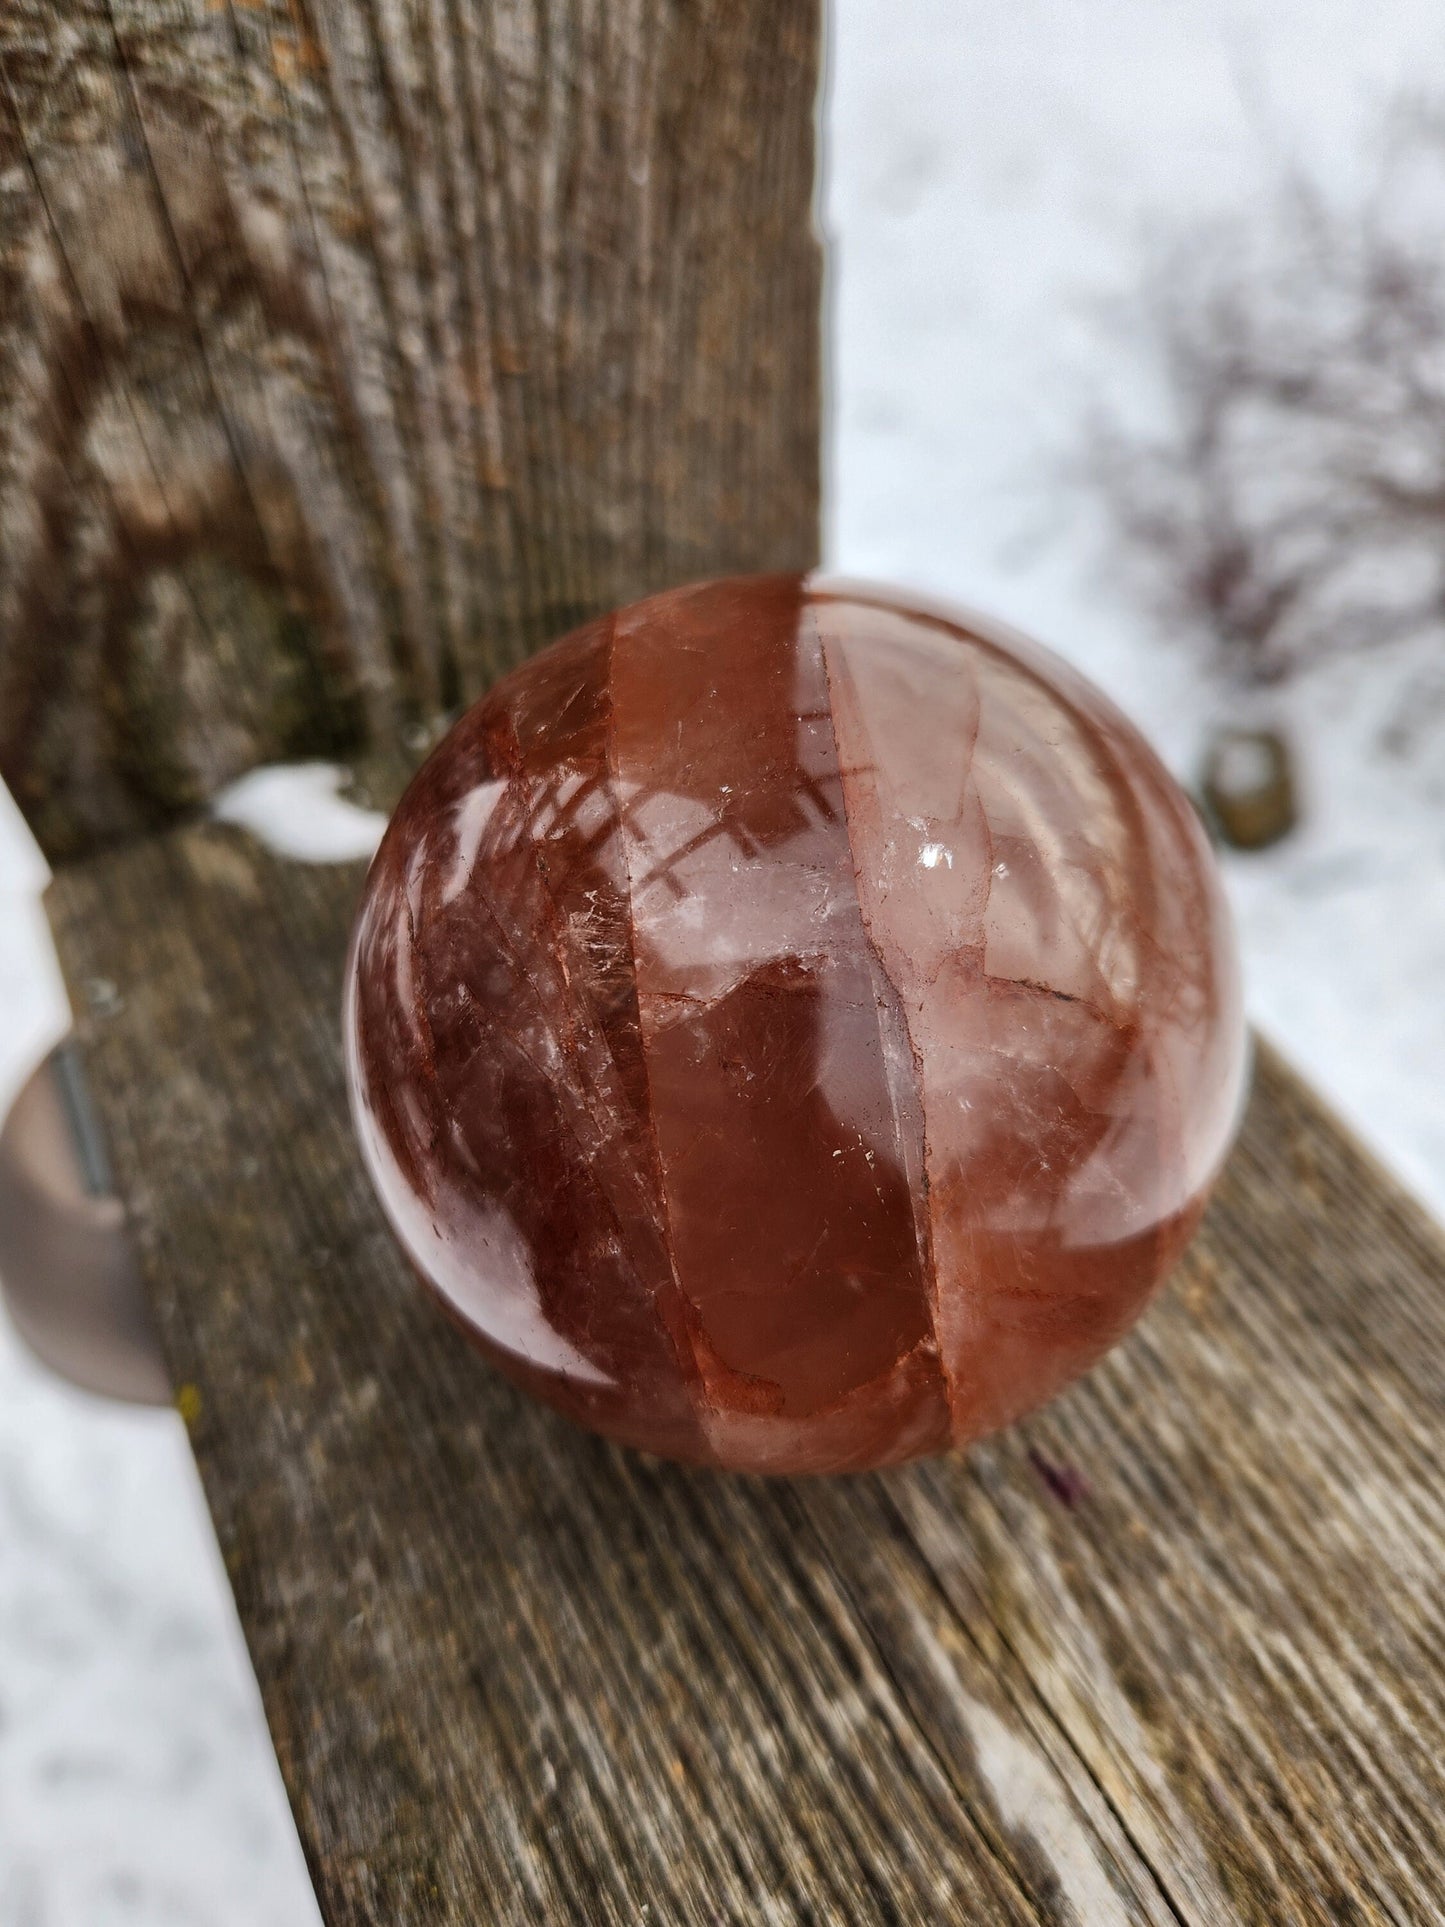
[793, 1030]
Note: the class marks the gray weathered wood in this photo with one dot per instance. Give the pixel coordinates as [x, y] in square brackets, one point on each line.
[349, 349]
[1172, 1652]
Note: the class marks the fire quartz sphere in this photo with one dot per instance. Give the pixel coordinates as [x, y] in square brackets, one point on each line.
[791, 1030]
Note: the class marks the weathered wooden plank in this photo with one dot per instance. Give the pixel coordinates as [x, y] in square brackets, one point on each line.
[1174, 1651]
[349, 349]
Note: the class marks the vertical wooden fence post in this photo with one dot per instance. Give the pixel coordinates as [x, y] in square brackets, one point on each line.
[351, 349]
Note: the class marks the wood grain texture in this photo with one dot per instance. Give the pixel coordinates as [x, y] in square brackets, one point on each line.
[349, 349]
[1172, 1652]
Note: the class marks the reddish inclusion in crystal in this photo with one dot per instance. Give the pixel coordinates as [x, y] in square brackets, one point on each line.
[790, 1030]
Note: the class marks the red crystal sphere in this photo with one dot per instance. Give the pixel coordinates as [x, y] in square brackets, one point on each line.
[792, 1030]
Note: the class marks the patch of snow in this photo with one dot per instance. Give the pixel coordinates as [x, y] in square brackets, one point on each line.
[297, 810]
[34, 1009]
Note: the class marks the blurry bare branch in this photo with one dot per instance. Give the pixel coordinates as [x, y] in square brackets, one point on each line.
[1287, 500]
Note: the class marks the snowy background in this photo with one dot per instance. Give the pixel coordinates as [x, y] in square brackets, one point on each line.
[998, 172]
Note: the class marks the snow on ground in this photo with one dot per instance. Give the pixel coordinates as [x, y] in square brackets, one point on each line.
[297, 810]
[993, 171]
